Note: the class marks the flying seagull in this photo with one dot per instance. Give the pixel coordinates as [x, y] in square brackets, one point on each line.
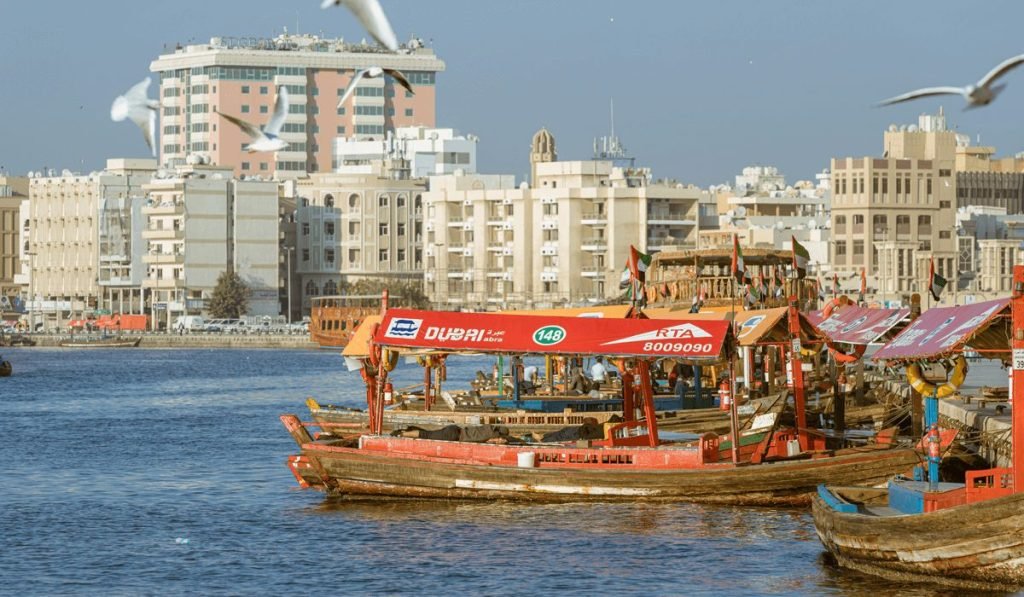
[372, 73]
[372, 18]
[980, 94]
[266, 139]
[137, 106]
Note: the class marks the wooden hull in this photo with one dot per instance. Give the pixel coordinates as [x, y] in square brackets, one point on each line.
[974, 546]
[6, 369]
[115, 343]
[413, 468]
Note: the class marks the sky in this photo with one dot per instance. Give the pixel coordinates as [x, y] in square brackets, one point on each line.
[700, 89]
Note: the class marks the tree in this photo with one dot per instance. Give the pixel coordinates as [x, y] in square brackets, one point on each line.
[230, 297]
[409, 292]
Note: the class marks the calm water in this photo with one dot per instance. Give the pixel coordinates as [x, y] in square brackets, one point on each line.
[162, 471]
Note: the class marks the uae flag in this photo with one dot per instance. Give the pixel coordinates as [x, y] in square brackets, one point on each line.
[739, 271]
[863, 284]
[636, 268]
[801, 259]
[780, 285]
[821, 289]
[936, 283]
[835, 285]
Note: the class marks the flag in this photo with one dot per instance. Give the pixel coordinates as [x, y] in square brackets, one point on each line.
[821, 289]
[936, 283]
[739, 270]
[752, 296]
[863, 284]
[835, 285]
[801, 259]
[638, 263]
[762, 288]
[780, 284]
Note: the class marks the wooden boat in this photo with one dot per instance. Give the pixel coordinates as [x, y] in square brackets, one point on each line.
[6, 369]
[333, 319]
[780, 467]
[969, 535]
[101, 342]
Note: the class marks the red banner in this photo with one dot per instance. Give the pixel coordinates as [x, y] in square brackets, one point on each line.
[535, 334]
[860, 325]
[941, 330]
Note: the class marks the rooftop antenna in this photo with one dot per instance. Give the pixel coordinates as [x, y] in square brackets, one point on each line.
[611, 103]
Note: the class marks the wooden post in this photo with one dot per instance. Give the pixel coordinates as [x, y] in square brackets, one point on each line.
[428, 371]
[628, 406]
[916, 414]
[734, 419]
[644, 371]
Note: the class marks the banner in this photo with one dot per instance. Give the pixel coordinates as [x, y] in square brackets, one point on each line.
[531, 334]
[942, 330]
[859, 325]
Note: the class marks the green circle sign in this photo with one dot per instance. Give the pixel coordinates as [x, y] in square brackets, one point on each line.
[549, 335]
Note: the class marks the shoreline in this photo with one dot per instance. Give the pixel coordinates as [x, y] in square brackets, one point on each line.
[164, 340]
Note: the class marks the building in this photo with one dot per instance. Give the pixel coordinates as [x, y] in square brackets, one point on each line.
[13, 191]
[429, 152]
[240, 77]
[892, 214]
[562, 240]
[202, 222]
[73, 270]
[358, 226]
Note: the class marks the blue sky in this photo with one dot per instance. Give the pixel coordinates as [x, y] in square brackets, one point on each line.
[700, 89]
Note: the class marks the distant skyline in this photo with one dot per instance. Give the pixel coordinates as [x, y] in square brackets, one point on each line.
[700, 90]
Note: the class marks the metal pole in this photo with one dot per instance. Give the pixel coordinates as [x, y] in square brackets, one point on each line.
[288, 279]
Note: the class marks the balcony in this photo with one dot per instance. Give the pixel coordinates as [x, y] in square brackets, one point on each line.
[167, 208]
[163, 234]
[456, 221]
[669, 218]
[594, 244]
[590, 272]
[496, 272]
[495, 246]
[594, 219]
[456, 247]
[163, 258]
[165, 283]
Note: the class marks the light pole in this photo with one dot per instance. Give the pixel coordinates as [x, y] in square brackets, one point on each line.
[288, 279]
[31, 290]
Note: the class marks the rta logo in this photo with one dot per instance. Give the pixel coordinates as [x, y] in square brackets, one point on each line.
[403, 328]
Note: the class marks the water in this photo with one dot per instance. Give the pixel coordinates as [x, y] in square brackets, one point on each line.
[162, 471]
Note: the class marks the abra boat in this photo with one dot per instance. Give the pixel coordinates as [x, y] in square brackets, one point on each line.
[968, 535]
[100, 342]
[780, 467]
[6, 369]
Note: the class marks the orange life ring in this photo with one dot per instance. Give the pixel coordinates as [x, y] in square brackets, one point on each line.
[830, 306]
[842, 357]
[374, 350]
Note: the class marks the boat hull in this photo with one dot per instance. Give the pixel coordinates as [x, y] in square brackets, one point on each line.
[973, 546]
[120, 343]
[412, 468]
[6, 369]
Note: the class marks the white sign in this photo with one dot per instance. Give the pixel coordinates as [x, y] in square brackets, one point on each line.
[1018, 359]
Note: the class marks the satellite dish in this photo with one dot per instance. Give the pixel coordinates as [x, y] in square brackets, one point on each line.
[731, 213]
[741, 211]
[812, 224]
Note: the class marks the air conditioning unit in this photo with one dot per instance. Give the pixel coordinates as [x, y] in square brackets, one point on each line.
[467, 227]
[428, 276]
[467, 252]
[549, 225]
[467, 202]
[507, 226]
[468, 276]
[549, 250]
[430, 225]
[506, 277]
[506, 201]
[547, 200]
[507, 251]
[430, 250]
[549, 277]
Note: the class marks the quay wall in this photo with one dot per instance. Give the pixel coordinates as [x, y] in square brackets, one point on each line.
[290, 341]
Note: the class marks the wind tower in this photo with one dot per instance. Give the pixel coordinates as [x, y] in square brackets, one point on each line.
[542, 150]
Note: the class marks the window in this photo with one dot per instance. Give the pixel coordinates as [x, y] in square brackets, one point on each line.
[245, 89]
[858, 248]
[840, 225]
[329, 255]
[401, 229]
[341, 130]
[370, 91]
[369, 110]
[310, 287]
[903, 225]
[264, 166]
[382, 229]
[341, 111]
[264, 90]
[369, 129]
[944, 234]
[924, 225]
[408, 111]
[944, 204]
[899, 188]
[929, 186]
[382, 255]
[245, 108]
[420, 77]
[858, 223]
[944, 173]
[328, 200]
[401, 255]
[885, 186]
[329, 228]
[391, 111]
[880, 224]
[353, 256]
[874, 185]
[245, 166]
[383, 201]
[841, 250]
[305, 254]
[263, 110]
[305, 229]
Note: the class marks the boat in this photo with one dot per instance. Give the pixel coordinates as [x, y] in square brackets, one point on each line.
[968, 535]
[6, 369]
[333, 319]
[781, 466]
[100, 342]
[15, 340]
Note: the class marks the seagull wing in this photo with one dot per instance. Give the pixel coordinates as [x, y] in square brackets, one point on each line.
[927, 91]
[248, 128]
[1004, 67]
[131, 102]
[280, 112]
[373, 19]
[351, 86]
[329, 3]
[398, 76]
[137, 94]
[149, 132]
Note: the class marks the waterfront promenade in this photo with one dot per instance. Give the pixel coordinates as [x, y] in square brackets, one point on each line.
[165, 340]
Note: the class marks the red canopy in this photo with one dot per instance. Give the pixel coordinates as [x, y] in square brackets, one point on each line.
[941, 331]
[859, 325]
[535, 334]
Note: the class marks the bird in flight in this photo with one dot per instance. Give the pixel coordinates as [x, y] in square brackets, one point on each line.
[372, 18]
[980, 94]
[371, 73]
[265, 139]
[136, 106]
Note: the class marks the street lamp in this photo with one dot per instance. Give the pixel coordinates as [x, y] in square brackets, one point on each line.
[31, 290]
[288, 280]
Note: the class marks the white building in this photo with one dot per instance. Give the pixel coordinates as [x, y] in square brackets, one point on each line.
[429, 151]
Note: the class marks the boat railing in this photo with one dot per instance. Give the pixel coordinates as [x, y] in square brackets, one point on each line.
[988, 484]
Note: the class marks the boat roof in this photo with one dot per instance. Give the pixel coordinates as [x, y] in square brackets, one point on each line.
[851, 324]
[692, 339]
[941, 332]
[723, 257]
[753, 327]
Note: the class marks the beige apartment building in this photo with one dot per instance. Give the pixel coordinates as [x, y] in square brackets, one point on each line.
[563, 240]
[65, 252]
[13, 191]
[352, 226]
[891, 214]
[202, 222]
[240, 76]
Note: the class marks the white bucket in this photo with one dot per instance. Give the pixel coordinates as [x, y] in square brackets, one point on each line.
[473, 420]
[527, 459]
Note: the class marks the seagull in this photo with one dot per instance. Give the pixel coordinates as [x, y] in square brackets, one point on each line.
[136, 105]
[980, 94]
[372, 73]
[372, 18]
[266, 139]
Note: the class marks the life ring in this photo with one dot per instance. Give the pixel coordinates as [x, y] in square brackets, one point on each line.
[852, 357]
[830, 306]
[373, 349]
[926, 388]
[673, 290]
[389, 358]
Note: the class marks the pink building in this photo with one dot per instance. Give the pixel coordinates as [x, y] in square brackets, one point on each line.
[240, 76]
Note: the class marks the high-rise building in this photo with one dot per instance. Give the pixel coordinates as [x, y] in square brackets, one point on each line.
[240, 76]
[202, 222]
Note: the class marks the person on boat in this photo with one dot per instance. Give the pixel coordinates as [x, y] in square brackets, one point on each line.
[529, 381]
[598, 373]
[579, 384]
[589, 429]
[479, 434]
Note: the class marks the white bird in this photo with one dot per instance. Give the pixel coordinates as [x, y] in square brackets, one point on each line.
[372, 18]
[265, 139]
[136, 105]
[980, 94]
[372, 73]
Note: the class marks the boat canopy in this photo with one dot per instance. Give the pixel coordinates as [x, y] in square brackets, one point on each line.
[358, 346]
[536, 334]
[942, 331]
[860, 325]
[753, 327]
